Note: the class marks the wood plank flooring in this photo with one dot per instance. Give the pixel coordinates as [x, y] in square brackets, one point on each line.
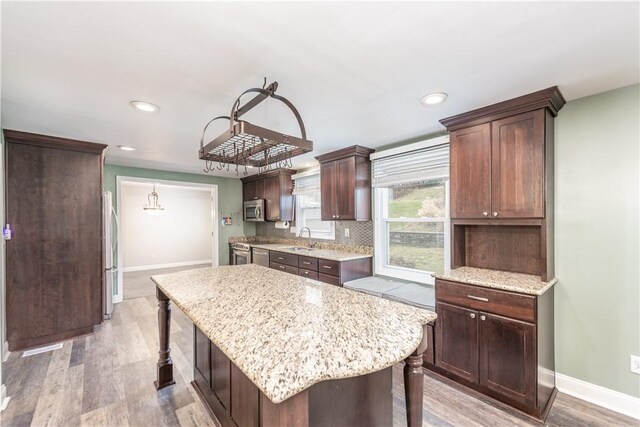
[106, 379]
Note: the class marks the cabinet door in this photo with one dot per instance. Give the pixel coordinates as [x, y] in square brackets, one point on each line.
[259, 189]
[345, 192]
[244, 399]
[328, 191]
[517, 168]
[507, 364]
[457, 341]
[272, 198]
[471, 172]
[249, 191]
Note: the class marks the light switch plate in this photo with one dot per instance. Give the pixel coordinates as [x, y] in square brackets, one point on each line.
[346, 232]
[635, 364]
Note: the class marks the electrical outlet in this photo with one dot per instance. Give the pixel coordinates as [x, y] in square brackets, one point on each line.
[346, 232]
[635, 364]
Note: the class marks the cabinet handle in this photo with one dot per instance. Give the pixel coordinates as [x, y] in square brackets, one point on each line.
[337, 216]
[478, 298]
[485, 213]
[282, 267]
[495, 214]
[472, 315]
[327, 267]
[306, 263]
[306, 272]
[483, 318]
[258, 253]
[280, 258]
[333, 216]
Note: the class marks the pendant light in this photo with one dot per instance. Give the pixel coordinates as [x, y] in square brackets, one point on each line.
[153, 207]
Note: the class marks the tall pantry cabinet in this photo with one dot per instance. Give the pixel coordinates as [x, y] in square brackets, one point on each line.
[54, 258]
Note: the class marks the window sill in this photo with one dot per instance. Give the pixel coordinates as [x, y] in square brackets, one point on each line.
[416, 276]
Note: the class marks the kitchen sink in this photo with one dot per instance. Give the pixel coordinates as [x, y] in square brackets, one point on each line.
[299, 248]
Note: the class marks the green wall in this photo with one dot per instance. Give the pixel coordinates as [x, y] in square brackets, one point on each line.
[597, 174]
[229, 197]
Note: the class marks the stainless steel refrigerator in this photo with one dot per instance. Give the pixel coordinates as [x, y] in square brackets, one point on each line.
[110, 253]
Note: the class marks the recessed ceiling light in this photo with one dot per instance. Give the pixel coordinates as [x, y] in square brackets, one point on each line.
[126, 148]
[144, 106]
[434, 98]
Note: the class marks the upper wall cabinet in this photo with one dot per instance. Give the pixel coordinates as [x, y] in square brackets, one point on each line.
[498, 157]
[276, 189]
[345, 184]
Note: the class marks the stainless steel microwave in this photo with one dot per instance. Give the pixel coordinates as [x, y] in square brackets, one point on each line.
[254, 210]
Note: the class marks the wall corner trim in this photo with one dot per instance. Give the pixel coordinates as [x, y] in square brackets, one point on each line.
[598, 395]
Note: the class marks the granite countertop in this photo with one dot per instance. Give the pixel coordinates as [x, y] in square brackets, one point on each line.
[504, 280]
[331, 254]
[286, 332]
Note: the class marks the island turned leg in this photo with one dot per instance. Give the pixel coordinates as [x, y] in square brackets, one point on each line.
[165, 364]
[413, 386]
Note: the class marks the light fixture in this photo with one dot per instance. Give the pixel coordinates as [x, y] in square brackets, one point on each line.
[144, 106]
[153, 207]
[434, 98]
[126, 148]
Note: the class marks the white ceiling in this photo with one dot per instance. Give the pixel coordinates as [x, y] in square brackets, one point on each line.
[355, 71]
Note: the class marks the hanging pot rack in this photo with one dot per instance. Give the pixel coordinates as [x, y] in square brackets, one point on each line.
[245, 144]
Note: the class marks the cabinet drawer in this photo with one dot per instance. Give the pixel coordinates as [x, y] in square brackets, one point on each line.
[329, 267]
[327, 278]
[308, 273]
[285, 268]
[308, 263]
[491, 300]
[282, 258]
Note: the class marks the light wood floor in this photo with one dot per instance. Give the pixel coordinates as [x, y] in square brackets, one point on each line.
[106, 379]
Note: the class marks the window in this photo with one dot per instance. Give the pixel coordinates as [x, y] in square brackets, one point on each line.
[412, 213]
[308, 203]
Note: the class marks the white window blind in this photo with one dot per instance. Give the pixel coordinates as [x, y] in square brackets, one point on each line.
[423, 164]
[307, 185]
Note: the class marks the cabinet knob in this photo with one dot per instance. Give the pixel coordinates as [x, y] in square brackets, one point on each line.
[472, 315]
[333, 216]
[483, 318]
[485, 213]
[495, 214]
[337, 216]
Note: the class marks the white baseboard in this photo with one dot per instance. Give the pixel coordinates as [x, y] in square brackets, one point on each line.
[169, 265]
[598, 395]
[4, 399]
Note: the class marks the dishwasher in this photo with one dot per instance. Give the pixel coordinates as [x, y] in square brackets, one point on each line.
[260, 257]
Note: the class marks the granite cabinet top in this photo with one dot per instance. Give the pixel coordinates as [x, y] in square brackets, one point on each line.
[314, 252]
[507, 281]
[286, 332]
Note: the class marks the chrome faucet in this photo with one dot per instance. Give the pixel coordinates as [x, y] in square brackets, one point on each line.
[309, 230]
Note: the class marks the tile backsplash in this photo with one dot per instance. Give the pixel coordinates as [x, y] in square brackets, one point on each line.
[360, 233]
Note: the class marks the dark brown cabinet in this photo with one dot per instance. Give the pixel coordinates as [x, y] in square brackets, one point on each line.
[507, 349]
[253, 190]
[276, 189]
[324, 270]
[54, 261]
[517, 166]
[457, 341]
[498, 342]
[470, 163]
[345, 184]
[501, 172]
[497, 168]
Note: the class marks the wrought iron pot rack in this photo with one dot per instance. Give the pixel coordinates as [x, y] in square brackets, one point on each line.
[245, 144]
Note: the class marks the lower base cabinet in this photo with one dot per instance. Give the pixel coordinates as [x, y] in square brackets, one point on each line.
[496, 342]
[365, 400]
[324, 270]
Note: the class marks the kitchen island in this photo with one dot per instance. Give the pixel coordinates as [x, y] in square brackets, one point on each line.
[271, 348]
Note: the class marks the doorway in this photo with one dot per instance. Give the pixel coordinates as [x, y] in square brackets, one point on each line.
[180, 236]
